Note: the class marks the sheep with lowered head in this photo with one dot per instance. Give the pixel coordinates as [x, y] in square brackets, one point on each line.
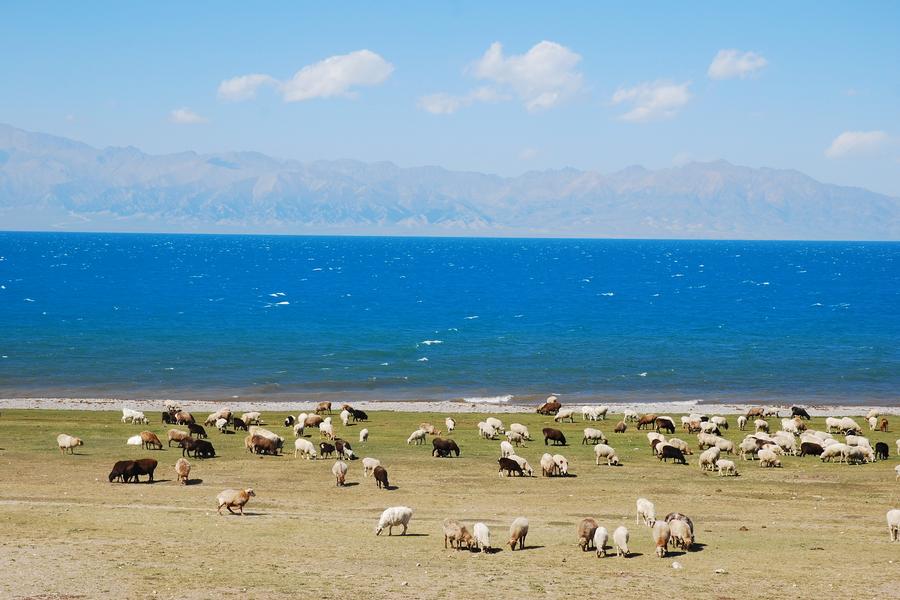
[496, 423]
[620, 539]
[601, 536]
[339, 470]
[562, 465]
[304, 447]
[482, 537]
[661, 535]
[234, 499]
[369, 465]
[182, 470]
[768, 458]
[526, 468]
[586, 530]
[417, 437]
[607, 452]
[363, 435]
[515, 437]
[450, 423]
[726, 467]
[456, 534]
[395, 516]
[548, 465]
[893, 521]
[521, 430]
[646, 512]
[518, 531]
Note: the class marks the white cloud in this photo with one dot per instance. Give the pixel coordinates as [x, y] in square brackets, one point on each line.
[855, 143]
[185, 116]
[334, 76]
[729, 64]
[446, 104]
[653, 100]
[528, 153]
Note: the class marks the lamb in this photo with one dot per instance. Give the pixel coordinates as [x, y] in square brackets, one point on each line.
[443, 447]
[515, 437]
[645, 513]
[345, 417]
[67, 442]
[394, 516]
[304, 447]
[149, 440]
[620, 427]
[767, 458]
[893, 521]
[381, 477]
[234, 499]
[607, 452]
[521, 430]
[339, 470]
[456, 533]
[417, 436]
[554, 435]
[681, 535]
[601, 535]
[593, 436]
[510, 466]
[661, 537]
[620, 539]
[742, 423]
[518, 531]
[450, 424]
[565, 414]
[708, 459]
[586, 530]
[496, 423]
[363, 435]
[548, 465]
[726, 467]
[506, 449]
[526, 468]
[482, 537]
[369, 465]
[182, 470]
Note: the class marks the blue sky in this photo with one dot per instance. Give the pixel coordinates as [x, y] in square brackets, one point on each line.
[809, 85]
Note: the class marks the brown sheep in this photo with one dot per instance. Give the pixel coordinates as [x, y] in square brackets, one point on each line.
[182, 470]
[176, 435]
[551, 407]
[554, 435]
[313, 421]
[621, 427]
[381, 478]
[586, 530]
[457, 534]
[757, 412]
[144, 466]
[883, 425]
[647, 421]
[184, 418]
[323, 407]
[234, 498]
[263, 445]
[150, 441]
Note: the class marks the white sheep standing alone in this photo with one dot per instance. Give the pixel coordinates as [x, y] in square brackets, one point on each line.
[363, 435]
[506, 449]
[67, 442]
[620, 539]
[646, 512]
[304, 447]
[395, 516]
[893, 521]
[726, 467]
[661, 538]
[450, 423]
[234, 498]
[518, 531]
[339, 470]
[601, 536]
[482, 536]
[417, 436]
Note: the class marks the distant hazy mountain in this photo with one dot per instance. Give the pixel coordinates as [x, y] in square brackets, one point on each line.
[48, 182]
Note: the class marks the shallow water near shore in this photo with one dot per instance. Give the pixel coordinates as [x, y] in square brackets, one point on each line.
[494, 321]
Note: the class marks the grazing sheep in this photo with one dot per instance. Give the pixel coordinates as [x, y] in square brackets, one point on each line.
[395, 516]
[667, 451]
[521, 430]
[898, 446]
[221, 425]
[506, 449]
[381, 477]
[666, 424]
[855, 455]
[607, 452]
[620, 427]
[339, 470]
[344, 449]
[587, 413]
[548, 465]
[518, 531]
[119, 470]
[848, 425]
[858, 440]
[798, 411]
[550, 407]
[234, 499]
[369, 465]
[661, 537]
[630, 415]
[893, 521]
[193, 429]
[443, 447]
[482, 537]
[345, 417]
[726, 467]
[67, 442]
[304, 447]
[417, 436]
[873, 423]
[645, 513]
[748, 448]
[620, 539]
[313, 421]
[742, 423]
[726, 446]
[326, 449]
[709, 427]
[721, 422]
[143, 466]
[761, 425]
[323, 407]
[456, 534]
[883, 425]
[149, 440]
[450, 424]
[262, 445]
[562, 465]
[767, 458]
[706, 440]
[299, 428]
[429, 429]
[600, 412]
[756, 412]
[363, 435]
[681, 535]
[359, 415]
[708, 459]
[881, 451]
[289, 421]
[554, 435]
[515, 437]
[510, 466]
[681, 445]
[526, 468]
[238, 424]
[486, 431]
[676, 516]
[647, 421]
[134, 440]
[326, 430]
[134, 416]
[182, 470]
[829, 453]
[586, 530]
[832, 424]
[601, 536]
[811, 449]
[200, 448]
[565, 414]
[496, 423]
[593, 436]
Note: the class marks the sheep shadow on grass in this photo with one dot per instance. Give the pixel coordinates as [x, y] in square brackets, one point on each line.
[193, 482]
[350, 484]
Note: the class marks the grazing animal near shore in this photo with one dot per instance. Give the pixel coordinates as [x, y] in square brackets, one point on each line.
[607, 452]
[450, 423]
[798, 411]
[150, 441]
[621, 427]
[229, 499]
[518, 531]
[554, 435]
[550, 407]
[323, 407]
[443, 447]
[647, 421]
[369, 465]
[395, 516]
[184, 418]
[182, 470]
[197, 430]
[68, 443]
[200, 448]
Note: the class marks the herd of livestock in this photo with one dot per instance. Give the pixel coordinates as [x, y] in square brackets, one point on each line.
[793, 438]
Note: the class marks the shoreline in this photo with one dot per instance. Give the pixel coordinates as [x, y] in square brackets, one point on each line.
[431, 406]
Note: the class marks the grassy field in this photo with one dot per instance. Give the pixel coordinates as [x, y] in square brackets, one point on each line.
[806, 530]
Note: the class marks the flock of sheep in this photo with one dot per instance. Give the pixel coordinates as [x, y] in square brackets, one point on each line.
[794, 438]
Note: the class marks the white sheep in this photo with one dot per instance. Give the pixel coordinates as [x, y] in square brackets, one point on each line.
[345, 417]
[486, 431]
[548, 465]
[893, 521]
[326, 430]
[749, 448]
[721, 422]
[661, 537]
[450, 423]
[873, 412]
[898, 446]
[709, 427]
[620, 539]
[339, 470]
[761, 425]
[767, 458]
[601, 536]
[680, 444]
[708, 458]
[526, 468]
[562, 465]
[506, 449]
[848, 425]
[515, 437]
[304, 447]
[251, 418]
[394, 516]
[858, 440]
[607, 452]
[134, 416]
[482, 536]
[630, 415]
[67, 442]
[417, 436]
[234, 498]
[726, 467]
[832, 424]
[496, 423]
[654, 435]
[645, 513]
[518, 531]
[521, 430]
[587, 413]
[565, 413]
[897, 468]
[833, 451]
[707, 440]
[726, 446]
[742, 422]
[369, 465]
[600, 412]
[593, 436]
[364, 435]
[221, 424]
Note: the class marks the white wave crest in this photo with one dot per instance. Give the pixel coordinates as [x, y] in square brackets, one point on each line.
[489, 399]
[431, 342]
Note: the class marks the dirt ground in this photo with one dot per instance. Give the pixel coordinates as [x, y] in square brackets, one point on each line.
[809, 529]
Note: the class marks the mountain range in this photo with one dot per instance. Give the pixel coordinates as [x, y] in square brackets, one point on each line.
[53, 183]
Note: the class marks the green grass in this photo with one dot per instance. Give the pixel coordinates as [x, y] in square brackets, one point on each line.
[808, 529]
